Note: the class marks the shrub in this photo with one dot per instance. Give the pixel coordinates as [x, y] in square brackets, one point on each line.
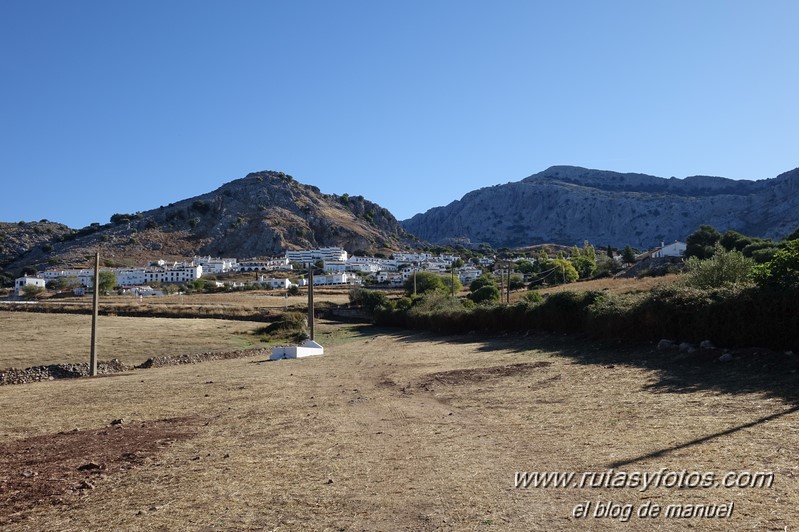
[290, 326]
[480, 282]
[781, 272]
[32, 292]
[368, 299]
[486, 294]
[533, 296]
[722, 268]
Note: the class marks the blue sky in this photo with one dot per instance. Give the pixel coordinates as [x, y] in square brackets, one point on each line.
[110, 107]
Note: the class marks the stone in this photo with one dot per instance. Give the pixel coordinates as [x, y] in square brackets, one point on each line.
[726, 357]
[706, 344]
[665, 344]
[685, 346]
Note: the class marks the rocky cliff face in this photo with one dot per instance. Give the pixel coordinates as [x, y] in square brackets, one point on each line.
[262, 214]
[16, 239]
[567, 205]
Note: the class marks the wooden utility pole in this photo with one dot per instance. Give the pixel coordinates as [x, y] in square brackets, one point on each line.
[509, 270]
[310, 299]
[95, 307]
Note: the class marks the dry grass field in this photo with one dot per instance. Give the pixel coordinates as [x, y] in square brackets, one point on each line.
[392, 430]
[33, 339]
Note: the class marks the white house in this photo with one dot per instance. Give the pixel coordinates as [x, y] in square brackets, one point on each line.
[467, 274]
[337, 278]
[275, 283]
[677, 249]
[22, 282]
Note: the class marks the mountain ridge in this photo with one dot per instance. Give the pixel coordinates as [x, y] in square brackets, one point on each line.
[570, 204]
[261, 214]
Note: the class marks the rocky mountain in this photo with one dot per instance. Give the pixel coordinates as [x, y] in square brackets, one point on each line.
[18, 238]
[567, 205]
[262, 214]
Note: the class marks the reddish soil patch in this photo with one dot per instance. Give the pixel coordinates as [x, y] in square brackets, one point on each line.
[50, 469]
[467, 376]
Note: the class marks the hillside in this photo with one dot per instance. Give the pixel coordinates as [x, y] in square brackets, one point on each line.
[21, 238]
[262, 214]
[566, 205]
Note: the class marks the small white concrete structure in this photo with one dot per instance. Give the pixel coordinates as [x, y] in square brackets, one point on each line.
[306, 349]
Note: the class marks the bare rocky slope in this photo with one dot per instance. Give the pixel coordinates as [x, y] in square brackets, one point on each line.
[567, 205]
[262, 214]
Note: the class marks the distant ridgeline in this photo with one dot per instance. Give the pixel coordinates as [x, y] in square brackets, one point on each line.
[567, 205]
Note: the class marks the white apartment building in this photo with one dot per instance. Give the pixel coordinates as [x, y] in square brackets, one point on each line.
[411, 257]
[178, 273]
[282, 264]
[313, 255]
[334, 266]
[129, 276]
[216, 264]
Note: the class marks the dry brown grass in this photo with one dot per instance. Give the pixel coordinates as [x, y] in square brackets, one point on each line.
[610, 284]
[392, 431]
[33, 339]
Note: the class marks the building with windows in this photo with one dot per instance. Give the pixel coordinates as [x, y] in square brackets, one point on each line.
[334, 254]
[22, 282]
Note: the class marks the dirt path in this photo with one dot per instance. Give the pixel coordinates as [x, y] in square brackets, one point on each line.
[393, 431]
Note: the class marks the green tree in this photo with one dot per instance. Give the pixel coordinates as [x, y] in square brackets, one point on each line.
[609, 251]
[59, 283]
[782, 272]
[525, 266]
[452, 283]
[564, 272]
[368, 299]
[483, 280]
[425, 282]
[108, 281]
[485, 294]
[628, 255]
[701, 243]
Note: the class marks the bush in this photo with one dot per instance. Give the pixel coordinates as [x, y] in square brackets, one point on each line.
[781, 272]
[533, 296]
[486, 294]
[368, 299]
[32, 292]
[722, 268]
[480, 282]
[291, 326]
